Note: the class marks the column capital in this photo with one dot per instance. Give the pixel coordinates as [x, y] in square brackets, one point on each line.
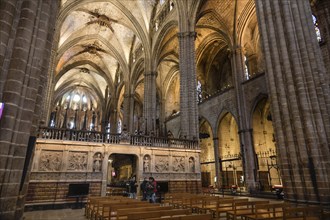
[187, 34]
[128, 95]
[150, 73]
[245, 130]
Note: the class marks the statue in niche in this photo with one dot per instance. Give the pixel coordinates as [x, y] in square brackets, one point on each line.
[178, 164]
[146, 164]
[191, 165]
[97, 165]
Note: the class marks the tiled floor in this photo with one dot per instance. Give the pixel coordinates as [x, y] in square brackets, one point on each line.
[57, 214]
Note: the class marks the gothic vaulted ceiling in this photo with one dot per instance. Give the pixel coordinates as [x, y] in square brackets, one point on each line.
[96, 41]
[103, 43]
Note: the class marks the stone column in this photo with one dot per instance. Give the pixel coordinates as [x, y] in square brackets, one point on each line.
[113, 121]
[188, 85]
[216, 160]
[128, 121]
[131, 114]
[162, 125]
[105, 174]
[149, 105]
[9, 17]
[299, 98]
[23, 84]
[247, 149]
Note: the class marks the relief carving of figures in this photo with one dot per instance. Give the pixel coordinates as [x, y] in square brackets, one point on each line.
[191, 165]
[77, 161]
[161, 164]
[50, 161]
[146, 163]
[178, 164]
[97, 162]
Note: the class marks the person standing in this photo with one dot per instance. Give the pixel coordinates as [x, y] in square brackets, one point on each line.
[133, 187]
[151, 190]
[143, 188]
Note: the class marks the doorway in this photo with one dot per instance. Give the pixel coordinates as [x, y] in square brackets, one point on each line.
[121, 167]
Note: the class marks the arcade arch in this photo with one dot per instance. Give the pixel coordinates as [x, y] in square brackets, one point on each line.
[264, 146]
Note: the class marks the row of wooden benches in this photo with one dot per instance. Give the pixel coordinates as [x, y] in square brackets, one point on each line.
[115, 207]
[241, 208]
[190, 206]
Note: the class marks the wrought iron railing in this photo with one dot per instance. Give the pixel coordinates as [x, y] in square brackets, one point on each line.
[110, 138]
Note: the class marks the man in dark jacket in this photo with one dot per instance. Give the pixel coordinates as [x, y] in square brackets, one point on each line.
[132, 188]
[143, 188]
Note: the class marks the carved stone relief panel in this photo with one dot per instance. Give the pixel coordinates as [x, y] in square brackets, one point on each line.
[161, 164]
[178, 164]
[77, 161]
[146, 163]
[50, 160]
[97, 162]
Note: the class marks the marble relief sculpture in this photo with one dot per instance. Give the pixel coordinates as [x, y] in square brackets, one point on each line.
[50, 161]
[178, 164]
[77, 161]
[162, 164]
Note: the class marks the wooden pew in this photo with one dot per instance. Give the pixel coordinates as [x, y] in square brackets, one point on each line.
[180, 201]
[267, 211]
[91, 200]
[243, 208]
[122, 213]
[209, 203]
[188, 217]
[110, 209]
[302, 213]
[225, 205]
[94, 205]
[158, 214]
[196, 203]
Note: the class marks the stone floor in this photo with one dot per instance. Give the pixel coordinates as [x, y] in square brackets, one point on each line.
[57, 214]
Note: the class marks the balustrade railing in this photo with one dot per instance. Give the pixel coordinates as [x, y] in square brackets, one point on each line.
[110, 138]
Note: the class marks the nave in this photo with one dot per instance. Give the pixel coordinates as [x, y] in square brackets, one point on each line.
[185, 206]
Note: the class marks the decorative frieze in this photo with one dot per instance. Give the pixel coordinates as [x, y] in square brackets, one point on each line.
[44, 176]
[65, 177]
[50, 160]
[77, 161]
[161, 164]
[178, 164]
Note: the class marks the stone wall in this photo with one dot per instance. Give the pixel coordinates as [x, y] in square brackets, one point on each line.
[56, 164]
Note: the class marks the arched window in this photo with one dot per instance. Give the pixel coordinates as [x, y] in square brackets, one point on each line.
[199, 91]
[317, 29]
[246, 69]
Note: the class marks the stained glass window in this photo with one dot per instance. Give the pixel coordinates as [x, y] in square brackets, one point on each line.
[317, 29]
